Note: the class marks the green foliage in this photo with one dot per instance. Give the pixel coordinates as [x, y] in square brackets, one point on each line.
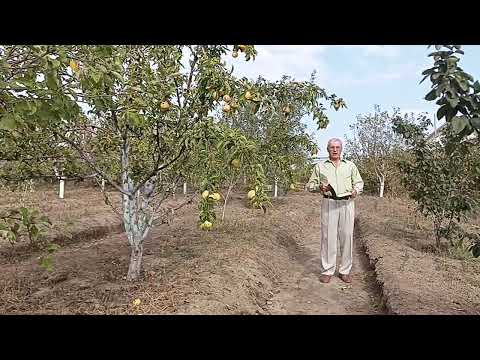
[17, 224]
[375, 148]
[457, 93]
[444, 184]
[273, 120]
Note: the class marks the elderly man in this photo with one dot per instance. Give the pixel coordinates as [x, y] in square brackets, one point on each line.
[340, 182]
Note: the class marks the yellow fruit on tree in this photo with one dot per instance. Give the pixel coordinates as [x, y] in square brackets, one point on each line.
[226, 98]
[206, 225]
[136, 302]
[236, 163]
[164, 106]
[205, 194]
[286, 110]
[292, 186]
[248, 95]
[74, 66]
[251, 194]
[242, 47]
[227, 108]
[215, 196]
[235, 54]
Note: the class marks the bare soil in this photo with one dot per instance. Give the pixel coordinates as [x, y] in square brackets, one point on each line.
[415, 279]
[253, 263]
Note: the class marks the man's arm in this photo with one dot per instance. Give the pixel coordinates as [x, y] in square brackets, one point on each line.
[313, 182]
[357, 181]
[317, 180]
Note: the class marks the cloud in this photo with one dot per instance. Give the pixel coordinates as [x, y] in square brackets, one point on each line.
[274, 61]
[376, 77]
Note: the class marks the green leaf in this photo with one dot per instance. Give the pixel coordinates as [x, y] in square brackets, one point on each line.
[52, 81]
[476, 87]
[428, 71]
[34, 231]
[459, 123]
[96, 76]
[432, 95]
[475, 122]
[442, 111]
[51, 248]
[453, 101]
[8, 122]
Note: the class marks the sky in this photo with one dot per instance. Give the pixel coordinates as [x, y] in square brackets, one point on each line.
[363, 75]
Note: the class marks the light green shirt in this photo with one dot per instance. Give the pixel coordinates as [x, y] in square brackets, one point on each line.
[343, 178]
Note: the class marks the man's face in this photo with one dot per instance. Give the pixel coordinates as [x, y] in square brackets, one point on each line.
[334, 150]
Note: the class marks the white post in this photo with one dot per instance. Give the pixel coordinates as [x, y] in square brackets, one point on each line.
[184, 188]
[275, 193]
[62, 188]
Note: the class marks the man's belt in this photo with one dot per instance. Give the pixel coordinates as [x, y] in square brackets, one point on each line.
[337, 198]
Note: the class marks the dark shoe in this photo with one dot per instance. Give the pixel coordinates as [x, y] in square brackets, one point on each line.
[325, 278]
[346, 278]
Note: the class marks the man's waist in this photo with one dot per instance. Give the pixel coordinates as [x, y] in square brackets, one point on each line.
[345, 196]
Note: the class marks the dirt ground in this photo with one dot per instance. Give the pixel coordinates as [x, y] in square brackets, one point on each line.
[253, 263]
[415, 280]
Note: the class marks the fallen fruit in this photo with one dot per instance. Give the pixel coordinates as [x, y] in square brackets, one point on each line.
[251, 194]
[136, 302]
[205, 194]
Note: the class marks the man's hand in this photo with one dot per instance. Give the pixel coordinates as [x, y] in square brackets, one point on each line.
[354, 194]
[324, 188]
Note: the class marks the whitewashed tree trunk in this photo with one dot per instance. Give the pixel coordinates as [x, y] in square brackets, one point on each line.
[275, 190]
[103, 184]
[61, 190]
[244, 180]
[381, 180]
[184, 188]
[137, 215]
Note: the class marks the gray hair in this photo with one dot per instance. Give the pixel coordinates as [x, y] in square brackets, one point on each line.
[334, 140]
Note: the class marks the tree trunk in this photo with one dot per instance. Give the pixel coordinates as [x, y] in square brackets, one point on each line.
[381, 181]
[61, 192]
[184, 188]
[135, 262]
[226, 199]
[103, 184]
[137, 215]
[275, 190]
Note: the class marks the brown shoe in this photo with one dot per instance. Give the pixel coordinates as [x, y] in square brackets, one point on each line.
[325, 278]
[346, 278]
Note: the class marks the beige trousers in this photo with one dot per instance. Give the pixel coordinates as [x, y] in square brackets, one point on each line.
[337, 218]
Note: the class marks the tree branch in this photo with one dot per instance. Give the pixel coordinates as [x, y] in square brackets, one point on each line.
[157, 169]
[90, 163]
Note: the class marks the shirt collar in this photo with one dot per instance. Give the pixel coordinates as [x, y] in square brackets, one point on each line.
[341, 160]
